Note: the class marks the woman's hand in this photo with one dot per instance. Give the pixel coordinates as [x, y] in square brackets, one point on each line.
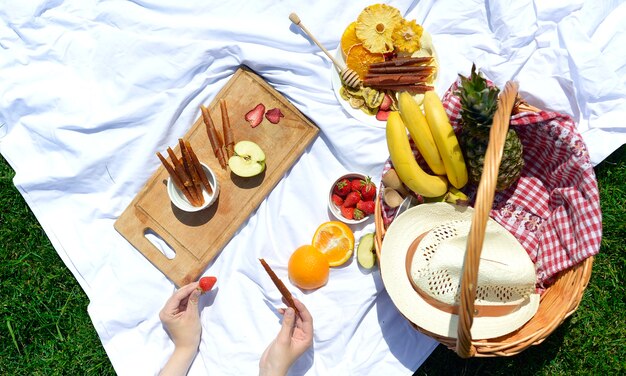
[181, 318]
[293, 339]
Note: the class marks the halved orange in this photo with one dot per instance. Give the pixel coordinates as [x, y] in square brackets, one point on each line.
[349, 39]
[359, 59]
[336, 240]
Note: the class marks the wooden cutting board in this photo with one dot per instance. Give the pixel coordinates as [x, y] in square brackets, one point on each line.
[198, 237]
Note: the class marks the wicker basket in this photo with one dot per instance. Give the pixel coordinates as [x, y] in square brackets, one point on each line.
[558, 301]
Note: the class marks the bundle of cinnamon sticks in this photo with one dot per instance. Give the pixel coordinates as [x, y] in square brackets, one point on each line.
[401, 74]
[223, 148]
[187, 173]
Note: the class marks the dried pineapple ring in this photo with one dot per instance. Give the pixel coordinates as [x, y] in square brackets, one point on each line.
[375, 26]
[406, 37]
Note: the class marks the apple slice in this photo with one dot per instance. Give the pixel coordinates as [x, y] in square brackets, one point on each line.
[248, 160]
[365, 254]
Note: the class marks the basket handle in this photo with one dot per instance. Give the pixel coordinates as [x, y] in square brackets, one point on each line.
[482, 207]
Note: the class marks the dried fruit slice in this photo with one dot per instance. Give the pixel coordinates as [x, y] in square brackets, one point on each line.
[375, 26]
[382, 115]
[359, 59]
[255, 116]
[407, 36]
[349, 39]
[274, 115]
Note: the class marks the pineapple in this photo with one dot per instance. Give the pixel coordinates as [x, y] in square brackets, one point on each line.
[406, 37]
[375, 26]
[478, 105]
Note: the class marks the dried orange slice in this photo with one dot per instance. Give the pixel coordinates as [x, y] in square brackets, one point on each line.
[359, 59]
[335, 240]
[349, 39]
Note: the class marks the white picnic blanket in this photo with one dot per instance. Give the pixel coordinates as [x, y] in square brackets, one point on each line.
[90, 90]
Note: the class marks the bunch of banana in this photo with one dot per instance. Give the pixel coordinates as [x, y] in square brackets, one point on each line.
[435, 140]
[447, 143]
[405, 164]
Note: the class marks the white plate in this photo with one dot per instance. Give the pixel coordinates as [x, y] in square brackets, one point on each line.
[428, 49]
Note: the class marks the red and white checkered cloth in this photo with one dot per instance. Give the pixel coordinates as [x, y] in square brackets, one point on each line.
[554, 209]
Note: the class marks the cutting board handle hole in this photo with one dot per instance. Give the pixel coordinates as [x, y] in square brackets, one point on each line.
[159, 243]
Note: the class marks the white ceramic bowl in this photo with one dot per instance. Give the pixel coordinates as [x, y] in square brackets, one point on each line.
[335, 209]
[180, 201]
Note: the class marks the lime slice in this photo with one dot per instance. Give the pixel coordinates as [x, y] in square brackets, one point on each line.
[365, 254]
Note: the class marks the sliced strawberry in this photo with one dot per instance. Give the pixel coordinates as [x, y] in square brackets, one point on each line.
[351, 199]
[386, 104]
[382, 115]
[255, 116]
[347, 213]
[358, 214]
[206, 283]
[366, 207]
[337, 200]
[274, 115]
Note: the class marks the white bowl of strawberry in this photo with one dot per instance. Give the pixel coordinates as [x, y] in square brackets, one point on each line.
[352, 198]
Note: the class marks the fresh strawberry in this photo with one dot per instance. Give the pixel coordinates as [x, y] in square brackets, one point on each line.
[348, 213]
[368, 190]
[351, 199]
[337, 200]
[366, 207]
[255, 116]
[274, 115]
[342, 188]
[358, 214]
[206, 283]
[357, 184]
[386, 104]
[382, 115]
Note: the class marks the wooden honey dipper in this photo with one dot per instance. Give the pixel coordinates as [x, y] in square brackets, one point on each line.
[348, 76]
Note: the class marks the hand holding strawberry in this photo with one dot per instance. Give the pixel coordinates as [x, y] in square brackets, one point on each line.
[206, 283]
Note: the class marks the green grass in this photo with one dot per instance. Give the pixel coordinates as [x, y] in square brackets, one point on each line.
[44, 325]
[45, 328]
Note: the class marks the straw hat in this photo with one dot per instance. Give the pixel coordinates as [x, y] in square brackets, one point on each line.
[421, 266]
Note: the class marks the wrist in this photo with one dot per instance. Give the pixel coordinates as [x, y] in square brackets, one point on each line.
[185, 351]
[180, 361]
[272, 370]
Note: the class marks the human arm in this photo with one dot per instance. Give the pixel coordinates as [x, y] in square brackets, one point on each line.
[181, 318]
[293, 339]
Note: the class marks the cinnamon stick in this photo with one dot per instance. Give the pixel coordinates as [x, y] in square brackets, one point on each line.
[229, 139]
[180, 170]
[403, 61]
[216, 143]
[175, 178]
[191, 171]
[280, 285]
[198, 167]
